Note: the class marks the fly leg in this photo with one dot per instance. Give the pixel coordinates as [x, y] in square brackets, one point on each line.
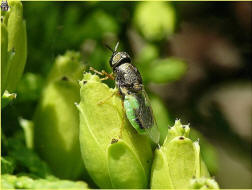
[110, 76]
[103, 73]
[107, 76]
[107, 98]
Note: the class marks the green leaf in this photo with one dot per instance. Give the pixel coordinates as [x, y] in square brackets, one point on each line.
[155, 20]
[104, 124]
[165, 70]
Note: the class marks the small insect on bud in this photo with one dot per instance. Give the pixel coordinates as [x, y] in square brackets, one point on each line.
[108, 142]
[137, 105]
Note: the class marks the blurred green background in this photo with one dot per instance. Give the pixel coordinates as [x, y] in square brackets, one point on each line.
[195, 58]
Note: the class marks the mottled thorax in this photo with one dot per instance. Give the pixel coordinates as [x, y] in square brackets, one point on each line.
[128, 79]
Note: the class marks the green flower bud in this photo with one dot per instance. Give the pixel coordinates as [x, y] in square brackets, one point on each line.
[13, 62]
[67, 67]
[177, 130]
[203, 183]
[4, 56]
[115, 155]
[155, 20]
[25, 182]
[177, 161]
[56, 121]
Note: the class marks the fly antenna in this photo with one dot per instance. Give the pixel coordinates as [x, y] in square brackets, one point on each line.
[117, 44]
[109, 48]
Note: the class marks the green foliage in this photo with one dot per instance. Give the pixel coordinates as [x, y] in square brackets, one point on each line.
[165, 70]
[102, 26]
[25, 182]
[7, 165]
[159, 70]
[24, 159]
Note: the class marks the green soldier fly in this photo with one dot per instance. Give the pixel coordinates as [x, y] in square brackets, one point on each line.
[135, 100]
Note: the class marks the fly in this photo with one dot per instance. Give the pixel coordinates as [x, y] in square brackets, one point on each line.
[135, 100]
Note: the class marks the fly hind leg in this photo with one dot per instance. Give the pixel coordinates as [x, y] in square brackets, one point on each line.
[107, 98]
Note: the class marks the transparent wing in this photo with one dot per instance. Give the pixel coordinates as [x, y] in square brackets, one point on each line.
[146, 118]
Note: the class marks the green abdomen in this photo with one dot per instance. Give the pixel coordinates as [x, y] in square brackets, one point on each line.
[132, 108]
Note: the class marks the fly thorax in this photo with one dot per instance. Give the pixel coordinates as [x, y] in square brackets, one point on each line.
[124, 67]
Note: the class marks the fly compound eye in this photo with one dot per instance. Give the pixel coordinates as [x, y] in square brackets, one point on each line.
[116, 58]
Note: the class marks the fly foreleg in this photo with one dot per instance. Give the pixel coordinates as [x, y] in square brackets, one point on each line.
[103, 73]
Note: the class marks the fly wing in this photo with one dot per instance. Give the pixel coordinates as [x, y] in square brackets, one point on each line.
[146, 117]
